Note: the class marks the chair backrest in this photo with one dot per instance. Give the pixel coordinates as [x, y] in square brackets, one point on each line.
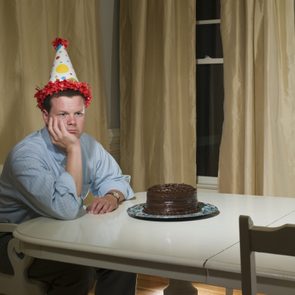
[17, 283]
[273, 240]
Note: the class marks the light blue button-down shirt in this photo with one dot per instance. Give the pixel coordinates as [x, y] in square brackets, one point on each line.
[34, 181]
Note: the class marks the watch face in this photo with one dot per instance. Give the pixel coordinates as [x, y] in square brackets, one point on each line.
[116, 195]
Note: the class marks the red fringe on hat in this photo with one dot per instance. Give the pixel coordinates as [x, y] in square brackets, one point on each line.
[60, 41]
[54, 87]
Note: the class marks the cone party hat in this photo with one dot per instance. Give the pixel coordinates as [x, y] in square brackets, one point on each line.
[62, 77]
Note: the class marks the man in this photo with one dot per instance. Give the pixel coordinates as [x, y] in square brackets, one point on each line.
[51, 171]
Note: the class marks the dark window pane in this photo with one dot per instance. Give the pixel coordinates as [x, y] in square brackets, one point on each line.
[207, 9]
[208, 41]
[209, 118]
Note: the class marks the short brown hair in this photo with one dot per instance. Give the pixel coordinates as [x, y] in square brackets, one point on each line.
[68, 92]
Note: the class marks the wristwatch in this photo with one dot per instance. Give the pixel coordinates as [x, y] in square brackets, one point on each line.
[115, 195]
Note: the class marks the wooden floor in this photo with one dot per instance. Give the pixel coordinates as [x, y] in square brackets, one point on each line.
[149, 285]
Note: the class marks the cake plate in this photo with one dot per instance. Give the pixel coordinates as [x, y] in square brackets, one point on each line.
[205, 210]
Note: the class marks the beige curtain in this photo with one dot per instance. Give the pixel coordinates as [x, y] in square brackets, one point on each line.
[258, 143]
[27, 28]
[158, 142]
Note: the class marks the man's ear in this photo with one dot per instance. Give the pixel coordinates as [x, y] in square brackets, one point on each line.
[45, 116]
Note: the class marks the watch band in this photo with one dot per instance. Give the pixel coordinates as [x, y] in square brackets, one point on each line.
[115, 195]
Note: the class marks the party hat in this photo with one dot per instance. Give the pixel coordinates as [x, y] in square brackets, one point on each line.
[63, 76]
[62, 68]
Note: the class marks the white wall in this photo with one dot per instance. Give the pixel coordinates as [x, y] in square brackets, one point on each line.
[109, 20]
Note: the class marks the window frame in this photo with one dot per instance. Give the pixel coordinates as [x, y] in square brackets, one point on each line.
[207, 183]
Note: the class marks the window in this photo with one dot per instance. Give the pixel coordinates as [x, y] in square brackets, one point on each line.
[209, 85]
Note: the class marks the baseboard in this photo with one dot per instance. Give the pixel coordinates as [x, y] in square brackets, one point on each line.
[209, 184]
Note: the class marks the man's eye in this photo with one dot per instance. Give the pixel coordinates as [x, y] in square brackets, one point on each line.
[62, 114]
[79, 114]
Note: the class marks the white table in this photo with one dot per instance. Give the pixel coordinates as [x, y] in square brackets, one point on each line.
[185, 250]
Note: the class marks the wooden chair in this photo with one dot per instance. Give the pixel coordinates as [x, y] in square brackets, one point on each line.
[274, 240]
[17, 283]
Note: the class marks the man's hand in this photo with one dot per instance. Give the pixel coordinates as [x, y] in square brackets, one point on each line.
[59, 134]
[101, 205]
[71, 144]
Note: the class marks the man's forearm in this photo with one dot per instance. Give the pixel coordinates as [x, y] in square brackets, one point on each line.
[74, 165]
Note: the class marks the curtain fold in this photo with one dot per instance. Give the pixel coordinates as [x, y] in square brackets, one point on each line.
[257, 154]
[27, 29]
[157, 83]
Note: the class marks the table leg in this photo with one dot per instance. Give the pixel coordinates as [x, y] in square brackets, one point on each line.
[177, 287]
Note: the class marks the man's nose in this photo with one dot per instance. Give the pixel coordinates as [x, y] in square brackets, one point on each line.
[71, 119]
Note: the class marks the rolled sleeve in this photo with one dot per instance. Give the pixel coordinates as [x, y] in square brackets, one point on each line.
[66, 185]
[45, 193]
[121, 185]
[107, 175]
[34, 182]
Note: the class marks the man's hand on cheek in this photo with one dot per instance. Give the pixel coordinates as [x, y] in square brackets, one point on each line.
[59, 134]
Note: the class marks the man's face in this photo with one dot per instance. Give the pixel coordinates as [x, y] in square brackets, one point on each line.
[70, 110]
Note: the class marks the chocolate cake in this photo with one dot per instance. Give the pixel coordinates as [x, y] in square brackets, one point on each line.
[171, 199]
